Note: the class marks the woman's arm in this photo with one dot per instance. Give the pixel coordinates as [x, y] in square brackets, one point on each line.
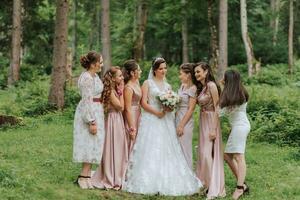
[144, 102]
[215, 97]
[187, 116]
[117, 101]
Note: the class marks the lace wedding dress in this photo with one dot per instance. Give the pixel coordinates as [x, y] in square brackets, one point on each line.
[157, 164]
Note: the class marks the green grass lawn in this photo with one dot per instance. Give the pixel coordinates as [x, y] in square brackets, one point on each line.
[36, 163]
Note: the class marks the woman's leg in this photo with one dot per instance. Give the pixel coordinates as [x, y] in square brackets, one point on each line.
[83, 181]
[241, 163]
[228, 157]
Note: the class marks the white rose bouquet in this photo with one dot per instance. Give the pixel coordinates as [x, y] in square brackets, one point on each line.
[169, 99]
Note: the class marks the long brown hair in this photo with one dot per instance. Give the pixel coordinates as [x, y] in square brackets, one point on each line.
[109, 85]
[234, 93]
[209, 77]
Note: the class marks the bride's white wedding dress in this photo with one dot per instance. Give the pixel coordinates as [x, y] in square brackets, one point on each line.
[157, 164]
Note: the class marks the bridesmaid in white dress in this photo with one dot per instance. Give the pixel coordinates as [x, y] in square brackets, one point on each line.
[233, 102]
[157, 164]
[89, 119]
[184, 113]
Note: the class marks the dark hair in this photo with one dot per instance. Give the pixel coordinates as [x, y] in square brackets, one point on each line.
[90, 58]
[209, 77]
[128, 67]
[188, 68]
[156, 63]
[234, 93]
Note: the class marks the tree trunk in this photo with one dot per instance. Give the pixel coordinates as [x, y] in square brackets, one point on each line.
[184, 33]
[105, 35]
[58, 76]
[223, 43]
[74, 39]
[291, 30]
[138, 52]
[14, 70]
[213, 37]
[251, 61]
[274, 23]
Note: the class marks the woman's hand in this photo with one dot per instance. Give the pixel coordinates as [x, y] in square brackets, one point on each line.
[161, 114]
[212, 136]
[167, 109]
[121, 86]
[179, 130]
[93, 128]
[132, 133]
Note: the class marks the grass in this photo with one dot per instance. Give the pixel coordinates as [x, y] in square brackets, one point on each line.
[36, 159]
[35, 163]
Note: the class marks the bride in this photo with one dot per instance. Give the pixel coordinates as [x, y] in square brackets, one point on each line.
[157, 164]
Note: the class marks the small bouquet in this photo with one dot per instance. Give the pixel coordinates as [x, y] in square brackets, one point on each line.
[169, 99]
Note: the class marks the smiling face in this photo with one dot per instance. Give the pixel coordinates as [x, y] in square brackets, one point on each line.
[161, 71]
[200, 73]
[118, 77]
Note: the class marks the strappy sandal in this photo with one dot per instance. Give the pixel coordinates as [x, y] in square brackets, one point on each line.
[241, 187]
[80, 183]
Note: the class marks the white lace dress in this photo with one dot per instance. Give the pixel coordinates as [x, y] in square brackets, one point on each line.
[87, 147]
[240, 128]
[157, 164]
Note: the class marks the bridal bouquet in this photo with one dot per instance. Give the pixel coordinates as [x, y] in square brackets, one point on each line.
[169, 99]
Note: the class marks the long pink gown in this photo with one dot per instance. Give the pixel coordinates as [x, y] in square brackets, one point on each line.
[111, 172]
[136, 115]
[187, 137]
[210, 165]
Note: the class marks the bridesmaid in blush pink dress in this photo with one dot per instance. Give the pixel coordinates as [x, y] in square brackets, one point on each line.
[184, 114]
[132, 98]
[110, 174]
[210, 164]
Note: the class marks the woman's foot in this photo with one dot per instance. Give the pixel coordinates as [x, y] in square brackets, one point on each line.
[239, 191]
[82, 182]
[89, 183]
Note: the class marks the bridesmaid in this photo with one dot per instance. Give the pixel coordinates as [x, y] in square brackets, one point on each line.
[210, 166]
[184, 114]
[89, 119]
[110, 174]
[132, 98]
[233, 102]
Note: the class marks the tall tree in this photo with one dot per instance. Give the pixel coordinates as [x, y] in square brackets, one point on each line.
[251, 61]
[105, 35]
[223, 41]
[274, 23]
[74, 39]
[290, 39]
[142, 9]
[14, 69]
[213, 37]
[184, 33]
[58, 76]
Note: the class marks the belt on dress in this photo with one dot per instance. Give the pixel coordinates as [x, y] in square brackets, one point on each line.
[97, 100]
